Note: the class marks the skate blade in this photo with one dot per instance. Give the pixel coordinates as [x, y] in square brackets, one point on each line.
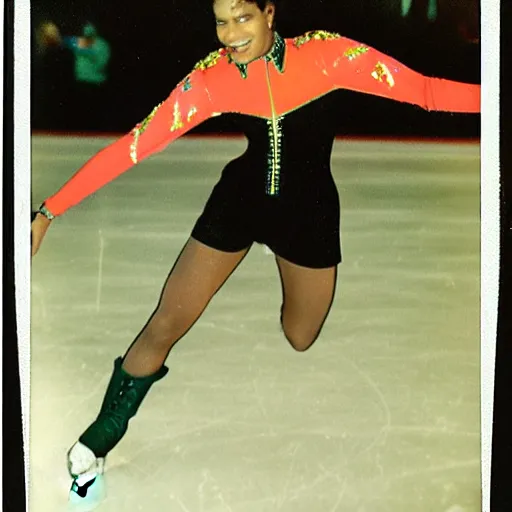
[86, 493]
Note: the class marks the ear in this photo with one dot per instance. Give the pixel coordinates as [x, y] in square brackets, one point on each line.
[270, 11]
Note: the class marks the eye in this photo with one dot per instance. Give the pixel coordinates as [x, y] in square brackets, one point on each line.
[244, 19]
[219, 22]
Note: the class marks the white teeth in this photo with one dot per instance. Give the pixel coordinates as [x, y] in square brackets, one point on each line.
[240, 45]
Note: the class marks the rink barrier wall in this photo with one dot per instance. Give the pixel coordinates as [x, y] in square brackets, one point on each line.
[235, 136]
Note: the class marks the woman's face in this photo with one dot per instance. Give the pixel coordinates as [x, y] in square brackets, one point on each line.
[244, 29]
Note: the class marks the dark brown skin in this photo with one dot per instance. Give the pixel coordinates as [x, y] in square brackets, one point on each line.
[39, 227]
[239, 21]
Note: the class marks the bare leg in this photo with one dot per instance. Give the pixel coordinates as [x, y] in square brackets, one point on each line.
[308, 294]
[197, 275]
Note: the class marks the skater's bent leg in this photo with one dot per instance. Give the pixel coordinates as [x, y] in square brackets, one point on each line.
[197, 275]
[308, 294]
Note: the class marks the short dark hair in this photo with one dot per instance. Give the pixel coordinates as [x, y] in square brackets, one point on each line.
[262, 3]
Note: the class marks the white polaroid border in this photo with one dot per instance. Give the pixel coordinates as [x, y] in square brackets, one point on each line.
[489, 229]
[22, 211]
[490, 217]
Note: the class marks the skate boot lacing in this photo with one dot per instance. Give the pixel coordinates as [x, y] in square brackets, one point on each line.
[121, 404]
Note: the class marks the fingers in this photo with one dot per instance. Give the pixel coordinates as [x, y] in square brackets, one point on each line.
[35, 242]
[39, 227]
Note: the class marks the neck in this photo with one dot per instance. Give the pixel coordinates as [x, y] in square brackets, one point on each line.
[271, 43]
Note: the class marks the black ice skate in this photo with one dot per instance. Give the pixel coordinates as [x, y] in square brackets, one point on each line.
[122, 400]
[86, 458]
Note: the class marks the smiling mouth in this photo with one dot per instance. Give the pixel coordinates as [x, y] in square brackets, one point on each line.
[241, 48]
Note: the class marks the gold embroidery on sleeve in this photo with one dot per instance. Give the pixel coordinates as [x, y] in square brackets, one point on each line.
[138, 131]
[191, 113]
[382, 73]
[177, 122]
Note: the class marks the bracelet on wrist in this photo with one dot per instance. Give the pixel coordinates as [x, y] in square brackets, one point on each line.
[47, 213]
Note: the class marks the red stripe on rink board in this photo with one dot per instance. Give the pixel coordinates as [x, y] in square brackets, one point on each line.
[358, 138]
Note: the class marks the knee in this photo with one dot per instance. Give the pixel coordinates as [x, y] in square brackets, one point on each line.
[164, 328]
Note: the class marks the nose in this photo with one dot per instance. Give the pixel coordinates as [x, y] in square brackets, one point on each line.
[231, 34]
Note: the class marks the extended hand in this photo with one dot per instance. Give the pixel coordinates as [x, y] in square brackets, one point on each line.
[40, 225]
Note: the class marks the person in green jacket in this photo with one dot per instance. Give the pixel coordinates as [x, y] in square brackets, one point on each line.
[92, 56]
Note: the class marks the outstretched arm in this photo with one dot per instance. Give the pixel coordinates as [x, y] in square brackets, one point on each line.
[358, 67]
[187, 106]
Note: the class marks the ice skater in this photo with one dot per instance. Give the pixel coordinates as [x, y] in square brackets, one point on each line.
[282, 93]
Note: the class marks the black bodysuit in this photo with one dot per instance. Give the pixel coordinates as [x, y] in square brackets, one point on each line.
[301, 222]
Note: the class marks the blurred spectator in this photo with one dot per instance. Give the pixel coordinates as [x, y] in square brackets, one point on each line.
[91, 58]
[421, 10]
[92, 55]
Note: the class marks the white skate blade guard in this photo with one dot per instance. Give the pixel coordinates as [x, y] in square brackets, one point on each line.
[87, 492]
[81, 460]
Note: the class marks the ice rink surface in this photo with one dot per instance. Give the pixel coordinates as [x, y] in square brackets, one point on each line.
[382, 414]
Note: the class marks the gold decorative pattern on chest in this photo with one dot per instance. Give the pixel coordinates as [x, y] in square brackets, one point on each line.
[139, 130]
[315, 35]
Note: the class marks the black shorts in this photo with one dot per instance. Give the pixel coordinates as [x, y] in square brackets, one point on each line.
[301, 226]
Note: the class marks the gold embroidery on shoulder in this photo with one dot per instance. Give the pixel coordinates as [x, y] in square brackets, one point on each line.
[209, 61]
[139, 130]
[353, 53]
[317, 35]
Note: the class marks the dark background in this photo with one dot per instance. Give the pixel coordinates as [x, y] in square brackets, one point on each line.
[156, 43]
